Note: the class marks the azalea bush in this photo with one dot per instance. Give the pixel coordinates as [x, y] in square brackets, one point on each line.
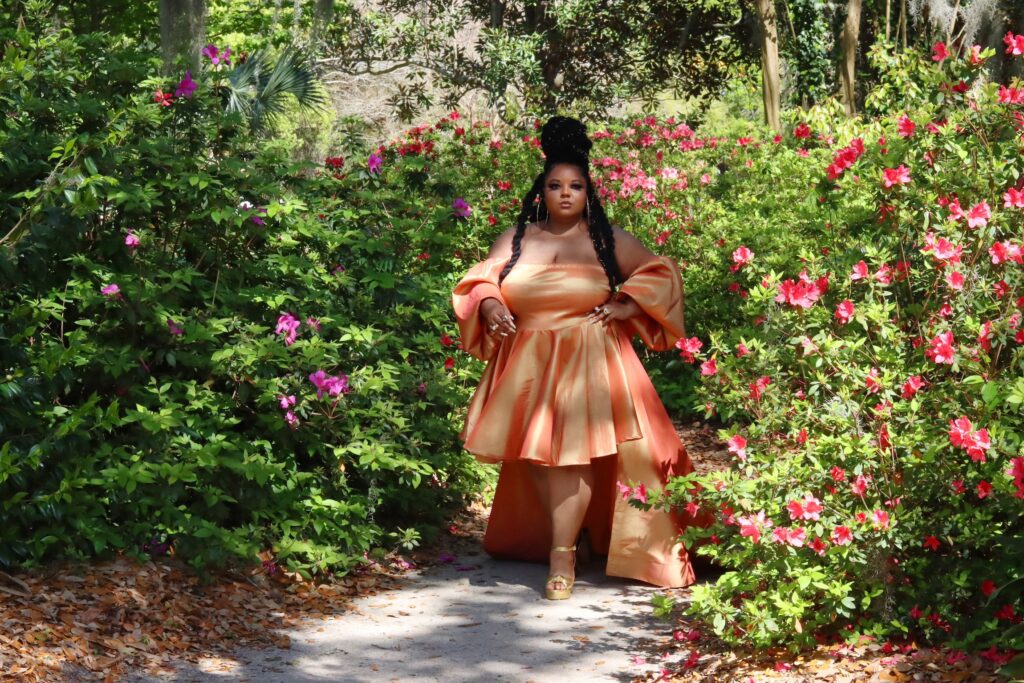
[872, 396]
[207, 348]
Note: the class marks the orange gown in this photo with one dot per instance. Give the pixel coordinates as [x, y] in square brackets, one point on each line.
[564, 391]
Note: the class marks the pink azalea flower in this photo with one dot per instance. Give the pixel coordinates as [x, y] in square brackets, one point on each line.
[131, 240]
[842, 535]
[860, 485]
[912, 386]
[942, 249]
[1002, 252]
[818, 545]
[881, 519]
[845, 311]
[941, 350]
[802, 130]
[286, 402]
[291, 419]
[975, 57]
[1013, 198]
[962, 435]
[741, 350]
[1014, 43]
[800, 294]
[624, 491]
[884, 274]
[313, 322]
[709, 367]
[640, 493]
[751, 526]
[955, 280]
[757, 388]
[288, 325]
[173, 328]
[978, 215]
[741, 257]
[895, 176]
[984, 489]
[111, 290]
[738, 445]
[939, 52]
[860, 271]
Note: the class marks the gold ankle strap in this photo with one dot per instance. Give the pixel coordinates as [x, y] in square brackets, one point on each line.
[565, 548]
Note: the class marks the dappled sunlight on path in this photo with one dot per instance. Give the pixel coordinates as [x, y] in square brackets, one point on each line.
[474, 619]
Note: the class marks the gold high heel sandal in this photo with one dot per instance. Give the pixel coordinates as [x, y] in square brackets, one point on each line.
[561, 593]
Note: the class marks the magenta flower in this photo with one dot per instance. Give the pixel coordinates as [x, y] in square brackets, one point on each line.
[217, 57]
[313, 322]
[461, 208]
[289, 417]
[375, 163]
[111, 290]
[131, 240]
[288, 325]
[329, 384]
[286, 402]
[174, 329]
[187, 87]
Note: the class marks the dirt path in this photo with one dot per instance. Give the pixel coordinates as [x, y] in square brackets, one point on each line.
[470, 618]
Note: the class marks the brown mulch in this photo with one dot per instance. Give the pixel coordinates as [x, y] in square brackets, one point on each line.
[101, 620]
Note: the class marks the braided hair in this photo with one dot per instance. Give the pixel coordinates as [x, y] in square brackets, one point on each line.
[564, 141]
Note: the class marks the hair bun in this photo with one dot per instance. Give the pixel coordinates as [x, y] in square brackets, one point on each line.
[565, 138]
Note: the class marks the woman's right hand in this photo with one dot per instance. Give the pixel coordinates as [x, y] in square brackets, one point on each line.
[497, 317]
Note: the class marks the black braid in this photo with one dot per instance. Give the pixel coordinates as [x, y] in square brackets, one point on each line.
[527, 214]
[601, 235]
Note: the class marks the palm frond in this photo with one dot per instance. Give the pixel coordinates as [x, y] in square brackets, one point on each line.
[258, 88]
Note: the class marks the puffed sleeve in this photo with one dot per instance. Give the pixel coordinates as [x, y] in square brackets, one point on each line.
[479, 283]
[657, 286]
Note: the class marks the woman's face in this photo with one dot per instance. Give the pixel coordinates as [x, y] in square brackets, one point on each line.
[565, 192]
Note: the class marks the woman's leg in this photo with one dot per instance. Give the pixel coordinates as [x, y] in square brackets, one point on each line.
[569, 491]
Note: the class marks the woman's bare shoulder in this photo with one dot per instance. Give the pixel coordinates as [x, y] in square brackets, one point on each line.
[502, 247]
[630, 253]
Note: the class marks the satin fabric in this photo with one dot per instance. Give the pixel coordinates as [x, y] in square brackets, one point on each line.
[565, 391]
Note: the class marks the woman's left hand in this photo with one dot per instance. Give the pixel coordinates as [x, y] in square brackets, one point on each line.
[614, 310]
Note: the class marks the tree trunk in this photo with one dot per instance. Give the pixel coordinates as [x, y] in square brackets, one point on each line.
[182, 32]
[769, 38]
[497, 13]
[322, 19]
[848, 43]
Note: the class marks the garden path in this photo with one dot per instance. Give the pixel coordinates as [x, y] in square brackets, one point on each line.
[470, 619]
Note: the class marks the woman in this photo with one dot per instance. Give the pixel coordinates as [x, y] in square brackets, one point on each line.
[564, 403]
